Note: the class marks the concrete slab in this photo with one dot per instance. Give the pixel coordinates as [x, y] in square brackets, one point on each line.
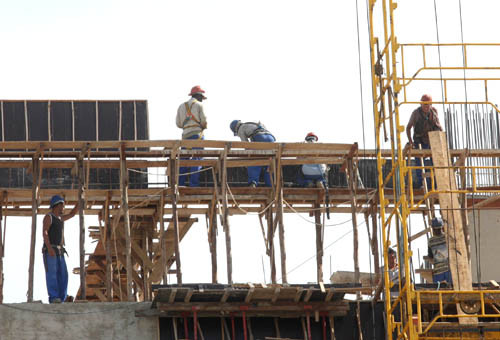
[75, 321]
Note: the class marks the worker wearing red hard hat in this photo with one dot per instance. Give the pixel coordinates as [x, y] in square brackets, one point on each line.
[192, 120]
[312, 174]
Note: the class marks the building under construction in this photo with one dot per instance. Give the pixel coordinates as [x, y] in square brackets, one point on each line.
[98, 153]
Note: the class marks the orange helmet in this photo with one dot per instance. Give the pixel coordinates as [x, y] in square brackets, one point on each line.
[311, 136]
[197, 89]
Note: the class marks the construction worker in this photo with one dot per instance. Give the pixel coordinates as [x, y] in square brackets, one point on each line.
[438, 253]
[423, 120]
[253, 132]
[312, 174]
[191, 119]
[56, 273]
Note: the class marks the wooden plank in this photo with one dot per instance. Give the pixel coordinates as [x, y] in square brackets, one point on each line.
[445, 179]
[173, 293]
[34, 206]
[100, 295]
[281, 231]
[126, 219]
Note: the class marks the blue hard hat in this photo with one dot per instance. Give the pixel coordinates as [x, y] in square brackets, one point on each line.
[437, 222]
[234, 125]
[55, 200]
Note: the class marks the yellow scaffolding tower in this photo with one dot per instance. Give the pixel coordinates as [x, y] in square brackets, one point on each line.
[404, 313]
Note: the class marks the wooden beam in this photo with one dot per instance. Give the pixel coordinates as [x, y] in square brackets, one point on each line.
[175, 218]
[2, 245]
[270, 240]
[81, 219]
[163, 245]
[284, 278]
[225, 219]
[445, 179]
[319, 243]
[109, 258]
[126, 219]
[34, 206]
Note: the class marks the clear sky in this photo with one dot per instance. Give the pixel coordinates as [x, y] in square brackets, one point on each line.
[291, 64]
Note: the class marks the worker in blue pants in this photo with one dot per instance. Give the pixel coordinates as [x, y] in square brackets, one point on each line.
[56, 273]
[192, 120]
[254, 132]
[312, 175]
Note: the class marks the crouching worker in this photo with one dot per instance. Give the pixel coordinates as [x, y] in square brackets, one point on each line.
[312, 174]
[254, 132]
[438, 253]
[56, 273]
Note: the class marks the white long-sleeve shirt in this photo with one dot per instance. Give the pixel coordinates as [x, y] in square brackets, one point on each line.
[189, 126]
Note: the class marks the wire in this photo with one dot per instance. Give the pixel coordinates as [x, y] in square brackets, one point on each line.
[325, 248]
[319, 224]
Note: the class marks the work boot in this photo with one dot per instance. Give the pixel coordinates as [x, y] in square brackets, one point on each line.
[56, 300]
[253, 185]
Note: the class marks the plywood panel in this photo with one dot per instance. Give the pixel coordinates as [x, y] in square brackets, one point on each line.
[61, 121]
[38, 126]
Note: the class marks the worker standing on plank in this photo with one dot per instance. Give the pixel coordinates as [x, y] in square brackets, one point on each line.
[56, 273]
[438, 253]
[312, 174]
[253, 132]
[191, 119]
[423, 120]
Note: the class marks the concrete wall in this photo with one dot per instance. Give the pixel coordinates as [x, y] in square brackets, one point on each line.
[76, 321]
[487, 230]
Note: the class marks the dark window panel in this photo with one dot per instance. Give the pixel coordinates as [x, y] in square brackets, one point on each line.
[38, 127]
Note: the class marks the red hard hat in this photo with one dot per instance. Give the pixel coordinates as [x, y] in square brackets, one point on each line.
[197, 89]
[311, 135]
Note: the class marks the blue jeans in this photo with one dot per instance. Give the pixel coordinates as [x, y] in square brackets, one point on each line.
[446, 276]
[306, 180]
[194, 179]
[427, 162]
[255, 171]
[56, 276]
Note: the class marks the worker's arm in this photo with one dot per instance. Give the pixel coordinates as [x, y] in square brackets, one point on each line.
[178, 120]
[438, 124]
[408, 133]
[242, 133]
[71, 213]
[203, 118]
[47, 221]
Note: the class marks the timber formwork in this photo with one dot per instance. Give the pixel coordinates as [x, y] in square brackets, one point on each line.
[140, 230]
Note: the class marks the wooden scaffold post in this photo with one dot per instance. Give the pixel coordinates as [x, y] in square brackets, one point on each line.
[126, 219]
[2, 245]
[319, 243]
[163, 246]
[109, 258]
[34, 210]
[175, 217]
[225, 213]
[81, 218]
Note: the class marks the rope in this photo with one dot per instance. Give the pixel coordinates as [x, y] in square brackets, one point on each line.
[319, 224]
[243, 210]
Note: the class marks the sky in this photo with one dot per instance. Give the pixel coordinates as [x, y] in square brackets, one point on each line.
[291, 64]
